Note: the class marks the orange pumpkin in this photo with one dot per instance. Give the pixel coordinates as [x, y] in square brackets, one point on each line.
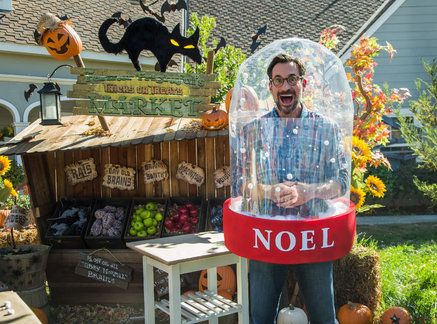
[225, 294]
[395, 315]
[62, 43]
[354, 313]
[40, 314]
[214, 119]
[228, 100]
[226, 281]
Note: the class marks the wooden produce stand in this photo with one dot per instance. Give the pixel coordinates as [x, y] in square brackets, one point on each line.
[160, 123]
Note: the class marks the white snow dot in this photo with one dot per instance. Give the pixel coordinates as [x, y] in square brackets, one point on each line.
[242, 150]
[289, 176]
[326, 142]
[332, 160]
[294, 131]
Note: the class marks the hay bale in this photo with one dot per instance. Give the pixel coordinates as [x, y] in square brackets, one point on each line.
[357, 278]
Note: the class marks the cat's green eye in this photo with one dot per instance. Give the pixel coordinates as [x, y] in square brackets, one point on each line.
[189, 46]
[174, 42]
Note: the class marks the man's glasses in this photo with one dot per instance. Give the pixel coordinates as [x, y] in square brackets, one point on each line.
[292, 80]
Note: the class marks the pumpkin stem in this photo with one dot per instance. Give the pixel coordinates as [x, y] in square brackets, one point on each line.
[291, 306]
[351, 305]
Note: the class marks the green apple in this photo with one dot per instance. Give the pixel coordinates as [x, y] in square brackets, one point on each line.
[159, 217]
[142, 233]
[138, 226]
[151, 206]
[136, 219]
[132, 232]
[146, 214]
[151, 230]
[148, 222]
[154, 222]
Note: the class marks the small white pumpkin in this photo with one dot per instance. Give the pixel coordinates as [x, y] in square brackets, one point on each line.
[292, 315]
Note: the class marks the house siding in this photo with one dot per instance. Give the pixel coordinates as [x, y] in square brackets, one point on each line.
[412, 30]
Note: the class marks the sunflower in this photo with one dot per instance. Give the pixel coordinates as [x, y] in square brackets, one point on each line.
[8, 184]
[357, 196]
[5, 164]
[14, 193]
[375, 186]
[360, 151]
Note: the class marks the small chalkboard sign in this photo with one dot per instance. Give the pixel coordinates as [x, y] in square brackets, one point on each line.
[104, 270]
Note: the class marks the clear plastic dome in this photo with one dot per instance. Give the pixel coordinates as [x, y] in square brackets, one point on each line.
[290, 134]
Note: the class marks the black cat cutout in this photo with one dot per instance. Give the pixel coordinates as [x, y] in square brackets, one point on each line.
[149, 34]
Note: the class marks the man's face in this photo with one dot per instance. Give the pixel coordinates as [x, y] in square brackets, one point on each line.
[286, 96]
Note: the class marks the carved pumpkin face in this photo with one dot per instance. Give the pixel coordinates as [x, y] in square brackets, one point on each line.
[214, 119]
[226, 281]
[62, 43]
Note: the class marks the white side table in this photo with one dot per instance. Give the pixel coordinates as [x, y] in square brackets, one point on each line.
[181, 254]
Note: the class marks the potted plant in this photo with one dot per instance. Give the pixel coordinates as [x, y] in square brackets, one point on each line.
[22, 268]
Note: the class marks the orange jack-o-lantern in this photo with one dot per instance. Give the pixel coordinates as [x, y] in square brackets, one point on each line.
[226, 281]
[63, 42]
[214, 119]
[354, 313]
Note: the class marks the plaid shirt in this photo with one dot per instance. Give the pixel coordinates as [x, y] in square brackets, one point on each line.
[273, 150]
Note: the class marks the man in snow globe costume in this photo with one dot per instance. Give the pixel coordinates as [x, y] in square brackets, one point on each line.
[289, 163]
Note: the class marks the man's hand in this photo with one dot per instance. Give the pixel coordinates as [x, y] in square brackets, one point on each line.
[292, 194]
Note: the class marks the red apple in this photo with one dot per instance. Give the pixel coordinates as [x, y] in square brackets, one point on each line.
[186, 228]
[183, 210]
[189, 206]
[194, 213]
[174, 218]
[183, 218]
[194, 220]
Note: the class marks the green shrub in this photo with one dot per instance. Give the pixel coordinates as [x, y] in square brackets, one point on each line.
[15, 174]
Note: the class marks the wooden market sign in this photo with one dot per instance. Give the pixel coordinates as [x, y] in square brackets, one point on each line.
[81, 171]
[118, 177]
[145, 93]
[104, 270]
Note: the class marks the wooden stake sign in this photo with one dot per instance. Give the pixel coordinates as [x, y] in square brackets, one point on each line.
[118, 177]
[81, 171]
[104, 270]
[222, 177]
[17, 218]
[190, 173]
[154, 171]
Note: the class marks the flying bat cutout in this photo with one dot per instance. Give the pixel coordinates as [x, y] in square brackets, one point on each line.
[147, 9]
[261, 31]
[222, 43]
[28, 92]
[122, 21]
[168, 6]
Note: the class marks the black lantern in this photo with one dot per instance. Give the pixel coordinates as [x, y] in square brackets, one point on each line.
[50, 103]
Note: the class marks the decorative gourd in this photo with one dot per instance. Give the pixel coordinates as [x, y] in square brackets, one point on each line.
[396, 315]
[40, 314]
[292, 315]
[228, 100]
[63, 42]
[354, 313]
[214, 119]
[225, 280]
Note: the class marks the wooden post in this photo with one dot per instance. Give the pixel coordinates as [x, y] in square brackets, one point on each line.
[210, 62]
[102, 120]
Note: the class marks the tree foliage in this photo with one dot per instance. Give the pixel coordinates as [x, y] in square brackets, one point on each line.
[226, 61]
[422, 136]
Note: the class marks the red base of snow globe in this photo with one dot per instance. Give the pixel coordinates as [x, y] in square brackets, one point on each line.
[289, 241]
